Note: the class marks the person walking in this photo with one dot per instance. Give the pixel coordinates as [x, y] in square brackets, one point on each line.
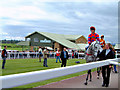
[64, 56]
[102, 43]
[40, 53]
[45, 58]
[4, 56]
[107, 53]
[58, 55]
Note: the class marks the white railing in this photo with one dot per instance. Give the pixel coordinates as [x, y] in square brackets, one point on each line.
[15, 80]
[18, 55]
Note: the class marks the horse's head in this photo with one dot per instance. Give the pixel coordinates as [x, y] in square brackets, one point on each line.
[95, 47]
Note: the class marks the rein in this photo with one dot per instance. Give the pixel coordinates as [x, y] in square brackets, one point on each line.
[88, 54]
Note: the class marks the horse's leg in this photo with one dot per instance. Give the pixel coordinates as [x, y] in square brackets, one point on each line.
[90, 75]
[98, 72]
[87, 77]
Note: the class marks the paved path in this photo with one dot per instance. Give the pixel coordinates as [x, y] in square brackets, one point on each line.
[78, 82]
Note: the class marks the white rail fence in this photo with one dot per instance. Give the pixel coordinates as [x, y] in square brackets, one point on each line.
[20, 55]
[15, 80]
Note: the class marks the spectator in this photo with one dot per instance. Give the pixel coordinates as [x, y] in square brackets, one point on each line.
[40, 54]
[107, 53]
[45, 58]
[58, 55]
[4, 56]
[64, 56]
[76, 54]
[72, 54]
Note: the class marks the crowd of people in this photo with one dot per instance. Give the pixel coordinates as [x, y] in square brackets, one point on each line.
[107, 53]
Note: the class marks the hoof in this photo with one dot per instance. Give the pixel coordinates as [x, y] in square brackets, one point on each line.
[85, 83]
[97, 77]
[90, 80]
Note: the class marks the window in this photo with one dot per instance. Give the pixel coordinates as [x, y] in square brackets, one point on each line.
[36, 40]
[28, 39]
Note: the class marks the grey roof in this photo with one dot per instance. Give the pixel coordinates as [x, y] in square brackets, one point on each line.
[62, 39]
[23, 43]
[72, 37]
[82, 46]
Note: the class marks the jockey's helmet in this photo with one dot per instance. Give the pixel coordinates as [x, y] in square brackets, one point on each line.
[92, 28]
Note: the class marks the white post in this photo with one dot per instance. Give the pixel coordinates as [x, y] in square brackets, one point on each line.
[9, 55]
[22, 54]
[54, 54]
[18, 55]
[36, 54]
[78, 55]
[14, 55]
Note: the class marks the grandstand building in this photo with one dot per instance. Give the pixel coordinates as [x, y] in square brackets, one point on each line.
[54, 41]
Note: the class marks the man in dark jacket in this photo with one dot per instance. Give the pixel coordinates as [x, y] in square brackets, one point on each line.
[64, 56]
[106, 54]
[4, 56]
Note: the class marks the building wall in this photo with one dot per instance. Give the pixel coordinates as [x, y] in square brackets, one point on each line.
[57, 45]
[40, 37]
[82, 39]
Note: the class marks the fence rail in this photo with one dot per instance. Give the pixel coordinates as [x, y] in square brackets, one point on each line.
[14, 80]
[22, 55]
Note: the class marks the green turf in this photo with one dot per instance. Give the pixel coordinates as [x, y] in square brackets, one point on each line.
[16, 66]
[28, 65]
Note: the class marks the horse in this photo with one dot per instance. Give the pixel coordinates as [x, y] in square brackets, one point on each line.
[91, 56]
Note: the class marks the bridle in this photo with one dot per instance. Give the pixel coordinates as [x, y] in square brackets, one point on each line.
[95, 51]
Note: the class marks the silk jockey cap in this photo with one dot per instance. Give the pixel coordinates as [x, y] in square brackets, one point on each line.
[102, 35]
[92, 28]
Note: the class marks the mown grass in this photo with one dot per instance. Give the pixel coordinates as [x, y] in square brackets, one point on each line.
[27, 65]
[15, 66]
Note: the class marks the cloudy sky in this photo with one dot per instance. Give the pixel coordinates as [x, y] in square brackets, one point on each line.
[18, 18]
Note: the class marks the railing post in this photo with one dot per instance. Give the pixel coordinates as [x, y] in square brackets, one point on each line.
[14, 55]
[18, 55]
[54, 55]
[9, 55]
[78, 55]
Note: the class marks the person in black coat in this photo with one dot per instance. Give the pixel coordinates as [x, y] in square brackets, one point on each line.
[107, 53]
[64, 56]
[4, 56]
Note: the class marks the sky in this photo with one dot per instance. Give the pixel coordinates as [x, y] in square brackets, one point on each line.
[19, 18]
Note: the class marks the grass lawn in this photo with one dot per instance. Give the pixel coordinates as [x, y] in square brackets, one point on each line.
[15, 66]
[27, 65]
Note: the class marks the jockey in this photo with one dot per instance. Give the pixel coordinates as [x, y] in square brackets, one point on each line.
[102, 41]
[93, 36]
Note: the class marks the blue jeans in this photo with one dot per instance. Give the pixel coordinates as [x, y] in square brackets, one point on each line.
[58, 57]
[4, 61]
[45, 62]
[115, 68]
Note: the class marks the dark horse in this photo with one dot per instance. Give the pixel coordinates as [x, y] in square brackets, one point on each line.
[91, 56]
